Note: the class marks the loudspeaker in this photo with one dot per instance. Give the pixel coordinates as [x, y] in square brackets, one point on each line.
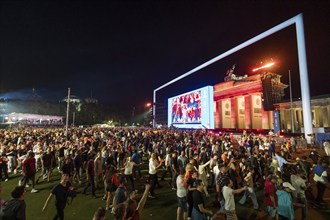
[267, 93]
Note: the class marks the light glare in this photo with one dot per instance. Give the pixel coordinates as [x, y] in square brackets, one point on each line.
[263, 67]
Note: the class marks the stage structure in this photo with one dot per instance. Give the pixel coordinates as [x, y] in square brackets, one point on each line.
[304, 82]
[30, 119]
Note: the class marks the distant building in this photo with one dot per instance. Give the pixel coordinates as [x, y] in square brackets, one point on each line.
[73, 99]
[250, 102]
[320, 107]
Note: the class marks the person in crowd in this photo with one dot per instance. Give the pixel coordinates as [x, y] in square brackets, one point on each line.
[61, 155]
[119, 213]
[191, 182]
[270, 195]
[314, 155]
[128, 170]
[134, 210]
[98, 169]
[214, 170]
[249, 193]
[183, 160]
[232, 171]
[37, 150]
[12, 158]
[281, 161]
[298, 182]
[21, 155]
[90, 174]
[256, 167]
[29, 171]
[111, 183]
[3, 166]
[174, 169]
[46, 164]
[137, 159]
[203, 176]
[293, 144]
[326, 146]
[154, 164]
[99, 214]
[60, 191]
[181, 193]
[305, 167]
[199, 211]
[321, 179]
[105, 154]
[16, 206]
[121, 193]
[77, 167]
[2, 201]
[228, 195]
[67, 167]
[285, 202]
[220, 184]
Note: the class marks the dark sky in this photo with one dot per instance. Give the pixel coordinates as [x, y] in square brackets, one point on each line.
[123, 50]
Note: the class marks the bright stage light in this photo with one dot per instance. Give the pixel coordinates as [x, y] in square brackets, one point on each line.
[263, 67]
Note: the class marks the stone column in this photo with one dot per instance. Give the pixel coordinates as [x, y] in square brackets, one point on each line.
[248, 111]
[217, 114]
[271, 120]
[233, 103]
[265, 119]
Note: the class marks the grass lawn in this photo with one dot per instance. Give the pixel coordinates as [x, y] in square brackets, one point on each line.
[83, 206]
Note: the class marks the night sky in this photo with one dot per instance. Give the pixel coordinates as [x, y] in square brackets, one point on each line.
[120, 51]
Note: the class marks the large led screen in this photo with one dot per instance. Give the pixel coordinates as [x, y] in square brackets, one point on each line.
[192, 109]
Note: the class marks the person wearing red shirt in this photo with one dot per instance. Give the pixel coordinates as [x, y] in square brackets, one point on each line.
[29, 170]
[112, 183]
[270, 195]
[90, 173]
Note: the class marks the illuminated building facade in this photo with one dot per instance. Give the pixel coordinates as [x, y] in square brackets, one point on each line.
[320, 107]
[247, 103]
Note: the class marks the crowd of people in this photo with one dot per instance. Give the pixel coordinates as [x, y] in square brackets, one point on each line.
[195, 163]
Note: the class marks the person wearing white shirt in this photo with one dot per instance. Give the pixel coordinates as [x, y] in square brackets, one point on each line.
[214, 170]
[326, 146]
[203, 177]
[167, 165]
[37, 150]
[154, 164]
[228, 194]
[181, 193]
[128, 170]
[300, 185]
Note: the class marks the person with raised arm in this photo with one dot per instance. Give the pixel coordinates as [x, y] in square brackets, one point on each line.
[60, 191]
